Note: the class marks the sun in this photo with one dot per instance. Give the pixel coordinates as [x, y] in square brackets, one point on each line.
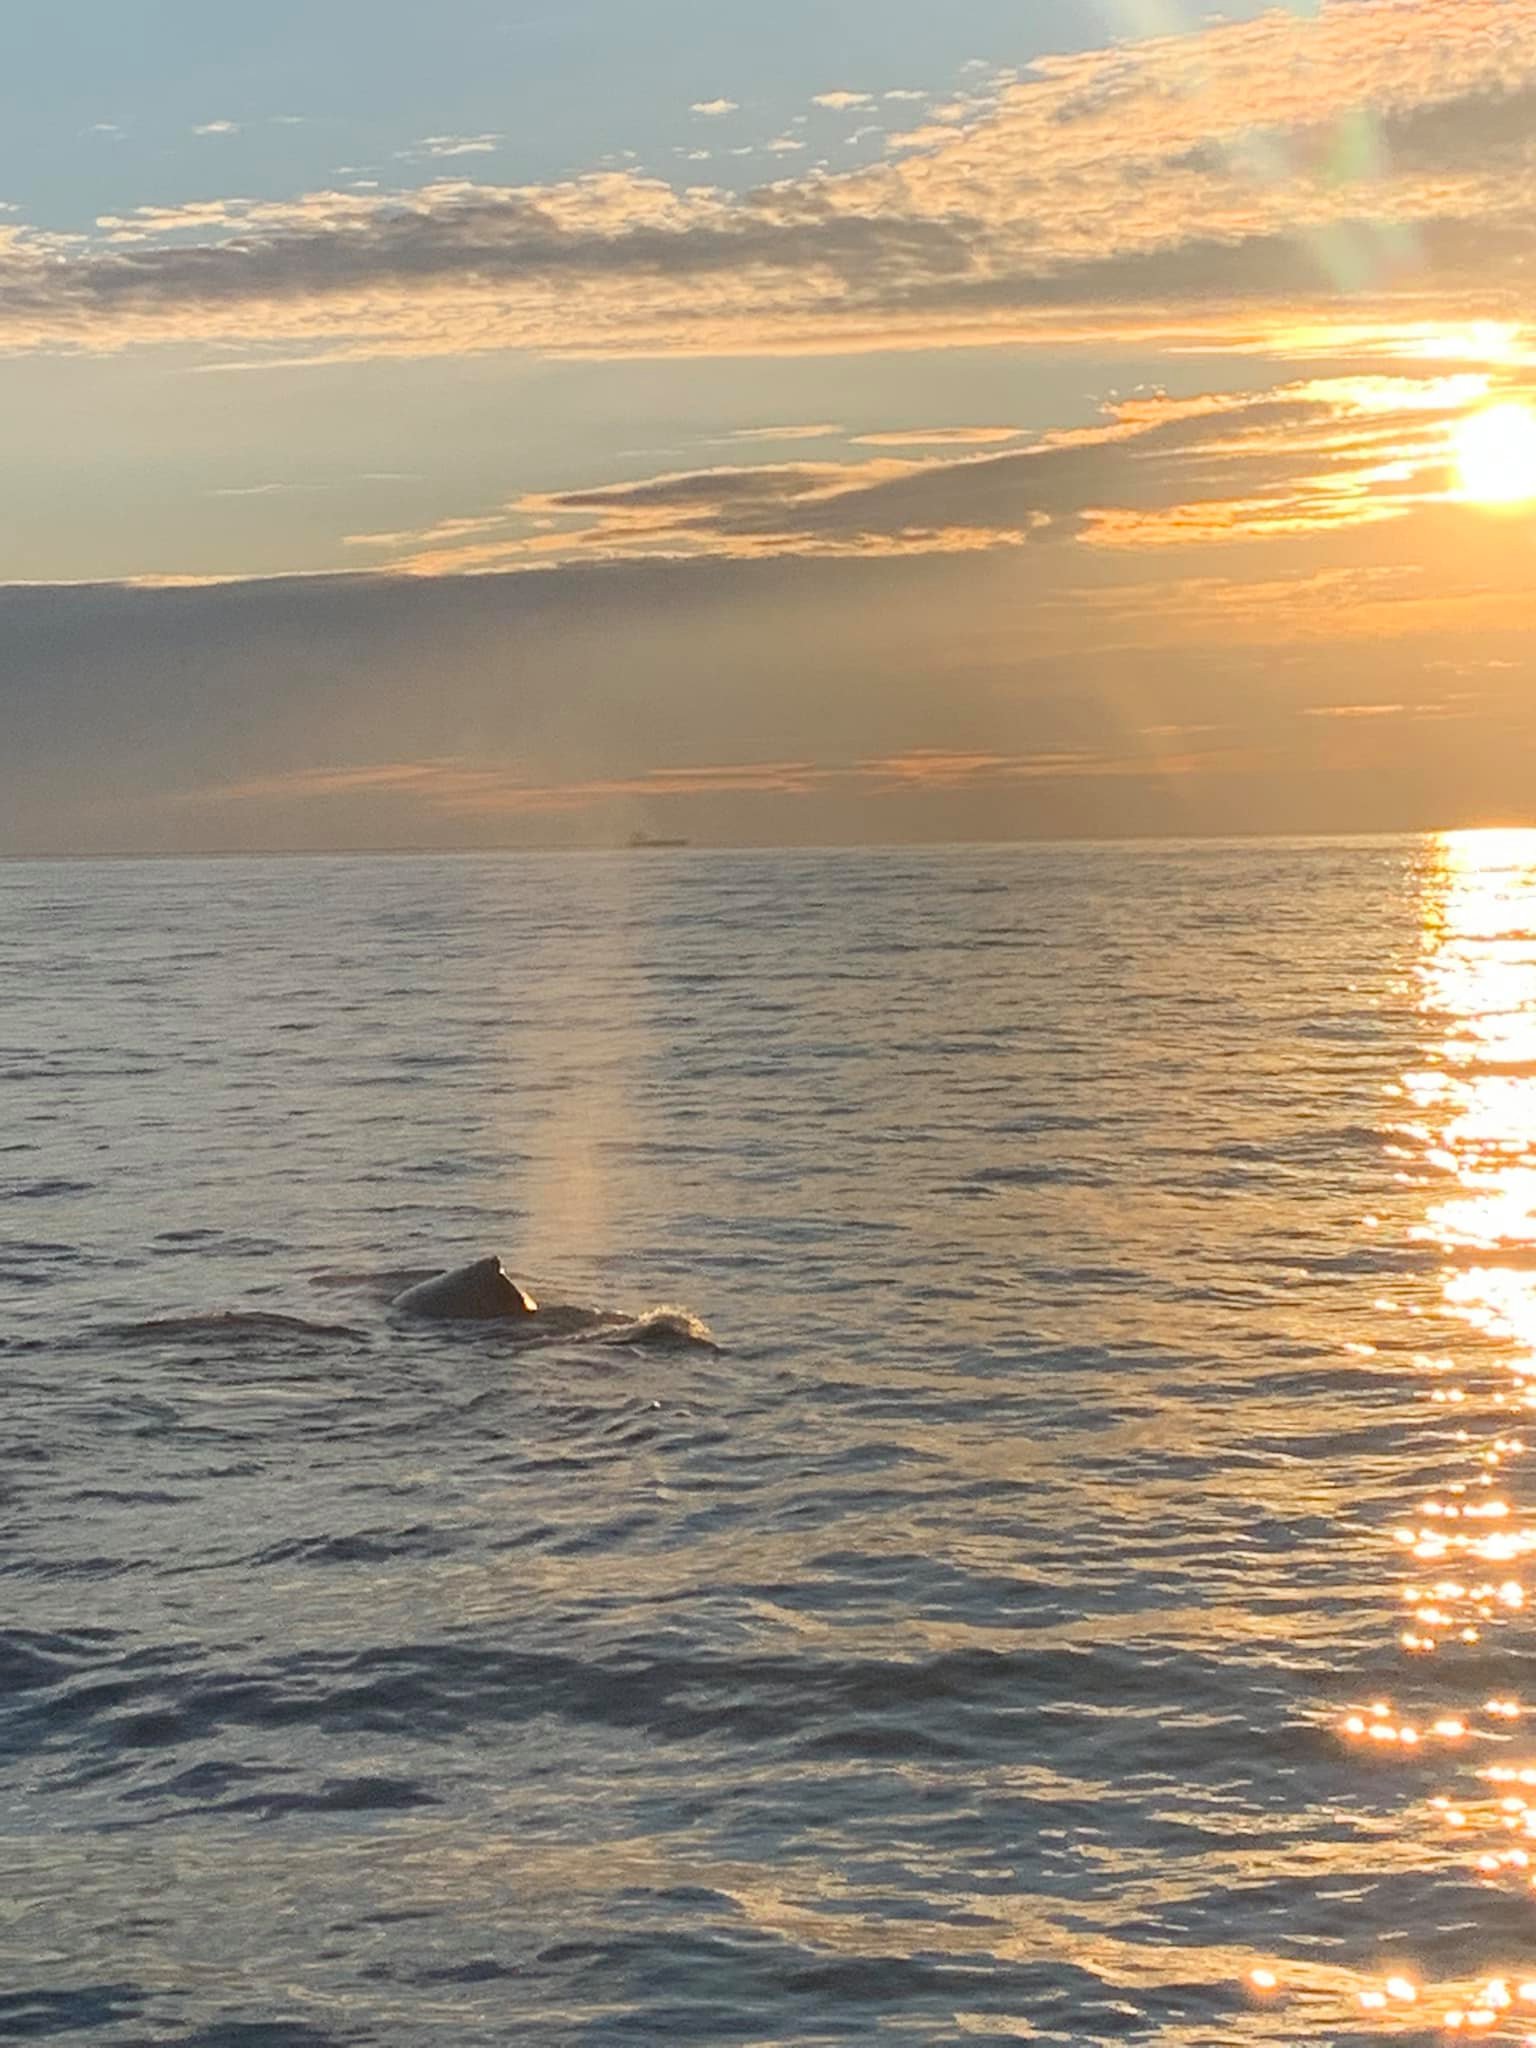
[1496, 454]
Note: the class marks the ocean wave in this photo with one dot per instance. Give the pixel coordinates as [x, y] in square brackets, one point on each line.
[230, 1326]
[663, 1327]
[967, 1656]
[971, 1704]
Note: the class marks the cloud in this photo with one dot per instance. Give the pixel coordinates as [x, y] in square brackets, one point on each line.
[1219, 185]
[217, 128]
[122, 706]
[464, 787]
[840, 102]
[1313, 457]
[791, 696]
[938, 437]
[1357, 710]
[930, 136]
[713, 110]
[822, 432]
[270, 490]
[461, 788]
[454, 145]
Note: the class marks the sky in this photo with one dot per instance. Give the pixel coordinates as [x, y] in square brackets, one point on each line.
[518, 424]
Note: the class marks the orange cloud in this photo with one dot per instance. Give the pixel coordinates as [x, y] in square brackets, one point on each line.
[463, 788]
[1313, 457]
[1215, 183]
[939, 437]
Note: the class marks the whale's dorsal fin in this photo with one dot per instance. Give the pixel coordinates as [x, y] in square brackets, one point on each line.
[479, 1292]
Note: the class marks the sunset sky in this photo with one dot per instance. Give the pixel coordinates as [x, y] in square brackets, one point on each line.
[525, 422]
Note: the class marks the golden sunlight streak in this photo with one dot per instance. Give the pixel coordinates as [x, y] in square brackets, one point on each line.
[1496, 454]
[1478, 1092]
[1467, 1137]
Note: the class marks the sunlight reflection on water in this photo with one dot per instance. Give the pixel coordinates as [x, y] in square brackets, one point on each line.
[1468, 1140]
[1001, 1637]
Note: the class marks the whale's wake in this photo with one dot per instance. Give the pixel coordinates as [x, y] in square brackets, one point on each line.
[664, 1328]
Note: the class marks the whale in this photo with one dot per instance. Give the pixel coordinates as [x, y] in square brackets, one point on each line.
[477, 1293]
[483, 1294]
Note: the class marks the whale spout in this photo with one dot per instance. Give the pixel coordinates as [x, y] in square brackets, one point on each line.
[476, 1293]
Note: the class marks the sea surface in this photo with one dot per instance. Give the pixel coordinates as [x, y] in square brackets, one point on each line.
[1036, 1550]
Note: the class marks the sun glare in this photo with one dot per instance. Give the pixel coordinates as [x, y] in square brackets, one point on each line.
[1496, 454]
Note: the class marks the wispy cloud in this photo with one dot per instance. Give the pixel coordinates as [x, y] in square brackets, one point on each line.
[713, 110]
[931, 136]
[938, 437]
[839, 102]
[1313, 457]
[1358, 710]
[217, 128]
[1229, 182]
[824, 431]
[268, 490]
[453, 145]
[460, 786]
[463, 787]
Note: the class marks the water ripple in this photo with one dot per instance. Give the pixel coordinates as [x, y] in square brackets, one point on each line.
[1107, 1251]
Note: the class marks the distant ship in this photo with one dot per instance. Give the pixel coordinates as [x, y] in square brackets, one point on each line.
[651, 840]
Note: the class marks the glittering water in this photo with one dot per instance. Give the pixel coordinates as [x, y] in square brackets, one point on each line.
[1081, 1600]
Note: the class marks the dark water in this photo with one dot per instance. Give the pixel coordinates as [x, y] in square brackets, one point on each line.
[1123, 1269]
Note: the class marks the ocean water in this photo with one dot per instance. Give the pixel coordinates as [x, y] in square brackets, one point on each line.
[1043, 1560]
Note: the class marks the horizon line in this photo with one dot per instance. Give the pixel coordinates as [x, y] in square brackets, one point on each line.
[607, 847]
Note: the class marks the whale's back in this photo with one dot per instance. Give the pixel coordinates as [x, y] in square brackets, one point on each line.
[479, 1292]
